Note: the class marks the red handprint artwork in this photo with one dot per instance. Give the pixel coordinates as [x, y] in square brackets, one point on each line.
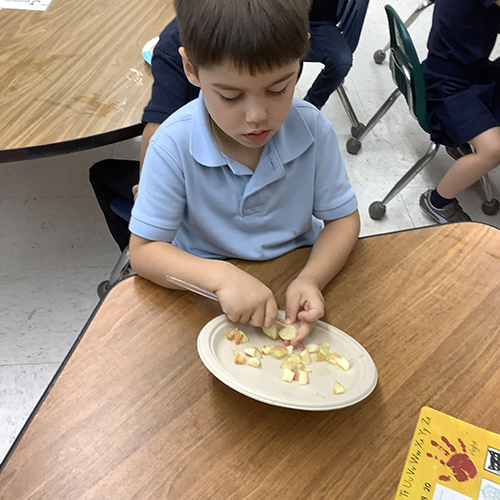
[460, 463]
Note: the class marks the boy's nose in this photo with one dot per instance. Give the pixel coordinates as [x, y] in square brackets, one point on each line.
[256, 113]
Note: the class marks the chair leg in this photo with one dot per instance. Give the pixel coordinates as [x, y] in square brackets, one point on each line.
[490, 204]
[120, 271]
[354, 143]
[357, 127]
[378, 208]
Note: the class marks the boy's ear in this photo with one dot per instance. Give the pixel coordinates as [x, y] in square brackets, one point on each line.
[188, 68]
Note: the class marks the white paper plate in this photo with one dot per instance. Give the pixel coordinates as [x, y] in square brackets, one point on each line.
[265, 383]
[147, 50]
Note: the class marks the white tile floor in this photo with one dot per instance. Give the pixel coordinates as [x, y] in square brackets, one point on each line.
[55, 247]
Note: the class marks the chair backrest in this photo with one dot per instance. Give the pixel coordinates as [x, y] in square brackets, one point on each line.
[406, 68]
[351, 15]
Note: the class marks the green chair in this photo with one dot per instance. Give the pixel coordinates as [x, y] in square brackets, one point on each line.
[409, 79]
[379, 55]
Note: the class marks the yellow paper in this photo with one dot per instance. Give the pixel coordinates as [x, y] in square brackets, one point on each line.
[450, 460]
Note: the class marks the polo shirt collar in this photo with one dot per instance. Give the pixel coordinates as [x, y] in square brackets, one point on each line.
[203, 146]
[292, 139]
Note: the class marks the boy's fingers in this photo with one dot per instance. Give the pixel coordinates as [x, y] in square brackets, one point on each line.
[304, 330]
[292, 308]
[310, 316]
[258, 318]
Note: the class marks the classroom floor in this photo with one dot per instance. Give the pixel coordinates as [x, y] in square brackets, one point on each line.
[55, 247]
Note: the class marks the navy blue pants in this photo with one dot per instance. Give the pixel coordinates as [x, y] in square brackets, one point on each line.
[329, 47]
[110, 178]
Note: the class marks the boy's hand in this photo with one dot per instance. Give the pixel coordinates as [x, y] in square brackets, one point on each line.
[304, 303]
[135, 190]
[245, 299]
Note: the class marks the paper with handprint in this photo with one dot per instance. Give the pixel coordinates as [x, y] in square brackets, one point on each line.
[450, 460]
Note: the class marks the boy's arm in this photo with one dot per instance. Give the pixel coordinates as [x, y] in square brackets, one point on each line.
[304, 300]
[243, 298]
[147, 133]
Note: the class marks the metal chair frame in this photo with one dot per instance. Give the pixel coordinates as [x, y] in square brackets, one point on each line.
[122, 268]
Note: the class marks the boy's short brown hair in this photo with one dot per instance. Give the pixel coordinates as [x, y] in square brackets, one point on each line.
[254, 35]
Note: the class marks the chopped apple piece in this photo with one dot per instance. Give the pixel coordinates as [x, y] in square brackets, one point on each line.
[336, 354]
[279, 351]
[239, 359]
[289, 363]
[324, 345]
[338, 388]
[251, 351]
[312, 347]
[240, 337]
[303, 378]
[255, 362]
[320, 357]
[304, 368]
[305, 357]
[296, 375]
[230, 334]
[325, 351]
[266, 350]
[289, 349]
[344, 364]
[288, 375]
[289, 332]
[332, 359]
[271, 332]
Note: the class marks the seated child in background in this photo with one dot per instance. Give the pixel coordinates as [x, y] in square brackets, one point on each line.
[171, 90]
[244, 170]
[463, 98]
[329, 47]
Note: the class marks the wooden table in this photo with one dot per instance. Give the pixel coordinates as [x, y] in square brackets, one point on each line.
[135, 414]
[73, 77]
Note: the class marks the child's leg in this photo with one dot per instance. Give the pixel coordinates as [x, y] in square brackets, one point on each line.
[470, 168]
[329, 47]
[110, 178]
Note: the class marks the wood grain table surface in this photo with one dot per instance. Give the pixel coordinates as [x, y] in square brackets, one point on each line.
[134, 414]
[73, 77]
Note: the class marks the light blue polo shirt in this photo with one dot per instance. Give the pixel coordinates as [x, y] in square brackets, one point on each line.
[193, 195]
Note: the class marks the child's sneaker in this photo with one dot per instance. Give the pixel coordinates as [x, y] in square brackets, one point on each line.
[452, 212]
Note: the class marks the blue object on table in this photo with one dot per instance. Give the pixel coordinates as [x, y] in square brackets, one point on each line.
[147, 50]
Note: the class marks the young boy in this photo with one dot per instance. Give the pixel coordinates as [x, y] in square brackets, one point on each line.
[244, 171]
[171, 90]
